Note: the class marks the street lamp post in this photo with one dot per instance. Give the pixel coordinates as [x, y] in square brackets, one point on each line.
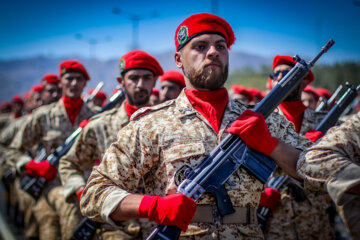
[92, 43]
[135, 19]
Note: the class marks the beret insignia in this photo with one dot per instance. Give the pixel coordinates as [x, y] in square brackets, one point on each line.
[182, 35]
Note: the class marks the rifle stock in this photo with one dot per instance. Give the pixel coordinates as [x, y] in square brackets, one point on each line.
[232, 154]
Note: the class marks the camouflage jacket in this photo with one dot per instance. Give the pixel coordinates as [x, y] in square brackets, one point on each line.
[49, 125]
[96, 137]
[333, 163]
[158, 141]
[306, 219]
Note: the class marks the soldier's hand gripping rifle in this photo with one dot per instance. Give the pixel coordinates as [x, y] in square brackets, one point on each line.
[333, 115]
[232, 154]
[35, 185]
[324, 105]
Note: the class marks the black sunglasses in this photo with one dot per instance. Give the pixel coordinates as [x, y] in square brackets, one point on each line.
[275, 75]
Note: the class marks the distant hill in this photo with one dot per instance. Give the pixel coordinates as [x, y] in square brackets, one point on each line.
[17, 76]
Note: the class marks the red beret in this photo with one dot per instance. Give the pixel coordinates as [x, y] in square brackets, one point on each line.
[73, 66]
[101, 95]
[27, 95]
[173, 76]
[17, 98]
[238, 89]
[324, 92]
[311, 90]
[202, 23]
[51, 78]
[255, 92]
[138, 59]
[5, 104]
[288, 60]
[155, 92]
[37, 88]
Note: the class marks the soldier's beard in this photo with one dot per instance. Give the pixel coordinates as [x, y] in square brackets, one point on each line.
[207, 78]
[134, 101]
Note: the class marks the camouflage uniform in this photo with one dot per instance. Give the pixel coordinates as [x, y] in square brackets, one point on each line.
[24, 201]
[333, 165]
[49, 125]
[306, 219]
[4, 120]
[75, 167]
[153, 146]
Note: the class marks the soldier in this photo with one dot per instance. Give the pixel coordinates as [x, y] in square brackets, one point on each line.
[257, 95]
[159, 140]
[310, 97]
[241, 93]
[172, 83]
[139, 72]
[24, 201]
[154, 98]
[333, 165]
[52, 89]
[17, 107]
[296, 218]
[99, 99]
[5, 107]
[50, 125]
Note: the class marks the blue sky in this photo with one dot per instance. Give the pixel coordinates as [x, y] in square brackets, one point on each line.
[265, 28]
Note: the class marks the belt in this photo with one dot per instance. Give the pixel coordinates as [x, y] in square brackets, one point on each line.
[209, 214]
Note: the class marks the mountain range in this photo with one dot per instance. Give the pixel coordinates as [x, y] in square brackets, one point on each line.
[17, 76]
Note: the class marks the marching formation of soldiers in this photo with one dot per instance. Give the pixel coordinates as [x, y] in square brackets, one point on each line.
[77, 168]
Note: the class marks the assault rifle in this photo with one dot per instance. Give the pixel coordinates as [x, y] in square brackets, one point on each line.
[232, 154]
[85, 230]
[324, 105]
[333, 115]
[35, 185]
[278, 183]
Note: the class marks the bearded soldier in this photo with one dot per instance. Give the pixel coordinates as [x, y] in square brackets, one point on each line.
[161, 139]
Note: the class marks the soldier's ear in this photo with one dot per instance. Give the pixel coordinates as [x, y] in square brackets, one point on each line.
[120, 80]
[178, 59]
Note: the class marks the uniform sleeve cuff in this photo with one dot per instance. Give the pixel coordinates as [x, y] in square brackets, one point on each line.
[343, 181]
[73, 184]
[111, 202]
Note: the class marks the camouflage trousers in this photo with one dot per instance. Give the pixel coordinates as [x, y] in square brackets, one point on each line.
[26, 205]
[300, 220]
[67, 212]
[49, 228]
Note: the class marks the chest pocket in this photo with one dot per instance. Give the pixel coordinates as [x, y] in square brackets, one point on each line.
[184, 152]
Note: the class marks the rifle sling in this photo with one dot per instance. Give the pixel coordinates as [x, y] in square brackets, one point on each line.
[242, 215]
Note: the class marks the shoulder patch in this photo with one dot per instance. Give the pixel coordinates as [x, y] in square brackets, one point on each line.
[145, 110]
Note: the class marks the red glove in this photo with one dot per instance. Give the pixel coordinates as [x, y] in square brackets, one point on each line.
[79, 192]
[41, 169]
[252, 129]
[270, 198]
[314, 135]
[176, 210]
[83, 123]
[31, 167]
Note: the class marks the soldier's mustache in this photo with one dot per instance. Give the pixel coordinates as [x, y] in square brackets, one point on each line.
[141, 91]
